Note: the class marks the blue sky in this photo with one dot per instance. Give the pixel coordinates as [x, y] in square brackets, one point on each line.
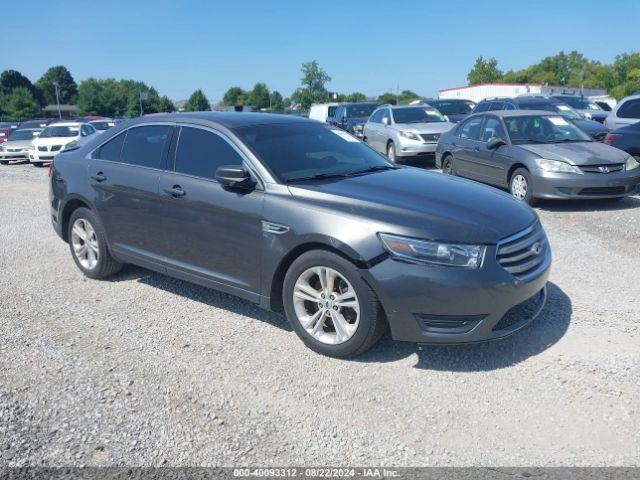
[369, 46]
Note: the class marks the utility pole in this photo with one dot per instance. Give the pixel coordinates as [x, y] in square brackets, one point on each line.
[56, 85]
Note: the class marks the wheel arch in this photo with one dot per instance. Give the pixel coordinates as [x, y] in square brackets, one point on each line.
[513, 168]
[70, 205]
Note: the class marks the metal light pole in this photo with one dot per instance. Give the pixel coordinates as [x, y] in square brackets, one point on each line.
[56, 85]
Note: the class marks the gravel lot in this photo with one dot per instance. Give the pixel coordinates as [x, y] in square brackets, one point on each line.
[147, 370]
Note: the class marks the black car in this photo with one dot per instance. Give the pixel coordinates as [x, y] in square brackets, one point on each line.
[301, 217]
[352, 116]
[455, 109]
[626, 138]
[596, 130]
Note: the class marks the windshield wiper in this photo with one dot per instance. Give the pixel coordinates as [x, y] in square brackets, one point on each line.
[318, 176]
[572, 140]
[375, 168]
[530, 140]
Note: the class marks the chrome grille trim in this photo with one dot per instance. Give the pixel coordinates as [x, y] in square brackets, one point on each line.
[523, 253]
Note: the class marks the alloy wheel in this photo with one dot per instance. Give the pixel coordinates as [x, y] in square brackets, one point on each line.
[326, 305]
[519, 187]
[85, 243]
[391, 152]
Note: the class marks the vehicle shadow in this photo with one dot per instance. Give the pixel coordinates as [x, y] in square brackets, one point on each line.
[603, 205]
[203, 295]
[542, 333]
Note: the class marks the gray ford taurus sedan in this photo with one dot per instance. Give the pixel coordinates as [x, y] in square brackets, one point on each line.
[301, 217]
[536, 154]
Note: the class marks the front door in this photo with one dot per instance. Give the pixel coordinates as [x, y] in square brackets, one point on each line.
[214, 233]
[492, 164]
[466, 145]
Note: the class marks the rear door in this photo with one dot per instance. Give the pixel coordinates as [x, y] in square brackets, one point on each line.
[125, 174]
[214, 233]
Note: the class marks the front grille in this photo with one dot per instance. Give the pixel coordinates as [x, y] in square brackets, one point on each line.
[521, 313]
[607, 168]
[524, 252]
[55, 148]
[603, 191]
[599, 137]
[430, 137]
[42, 149]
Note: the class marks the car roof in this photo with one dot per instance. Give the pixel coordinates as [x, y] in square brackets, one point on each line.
[66, 124]
[229, 120]
[518, 113]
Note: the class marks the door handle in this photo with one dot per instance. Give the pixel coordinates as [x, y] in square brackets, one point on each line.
[99, 177]
[176, 191]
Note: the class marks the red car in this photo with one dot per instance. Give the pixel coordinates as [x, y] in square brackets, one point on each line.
[5, 133]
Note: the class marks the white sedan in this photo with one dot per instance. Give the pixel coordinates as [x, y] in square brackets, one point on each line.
[57, 138]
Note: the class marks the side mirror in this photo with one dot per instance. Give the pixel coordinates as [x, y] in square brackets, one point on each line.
[495, 142]
[385, 121]
[234, 176]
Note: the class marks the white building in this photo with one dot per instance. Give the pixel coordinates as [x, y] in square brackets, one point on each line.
[481, 91]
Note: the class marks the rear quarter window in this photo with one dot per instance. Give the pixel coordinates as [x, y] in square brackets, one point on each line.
[630, 109]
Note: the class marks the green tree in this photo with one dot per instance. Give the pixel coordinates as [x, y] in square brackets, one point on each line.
[484, 71]
[407, 96]
[235, 96]
[20, 103]
[10, 79]
[355, 97]
[388, 97]
[166, 105]
[197, 102]
[277, 102]
[313, 90]
[259, 97]
[68, 89]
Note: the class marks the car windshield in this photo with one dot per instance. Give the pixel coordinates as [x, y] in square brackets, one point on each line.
[306, 151]
[23, 135]
[453, 108]
[417, 115]
[60, 131]
[543, 129]
[102, 125]
[580, 103]
[361, 110]
[564, 110]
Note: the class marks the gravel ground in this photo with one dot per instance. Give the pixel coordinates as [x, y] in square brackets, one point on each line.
[145, 370]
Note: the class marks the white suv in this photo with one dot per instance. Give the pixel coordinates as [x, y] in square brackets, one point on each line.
[58, 137]
[626, 112]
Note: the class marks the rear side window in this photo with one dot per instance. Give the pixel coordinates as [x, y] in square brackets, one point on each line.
[110, 150]
[630, 109]
[144, 146]
[496, 106]
[470, 129]
[481, 107]
[201, 152]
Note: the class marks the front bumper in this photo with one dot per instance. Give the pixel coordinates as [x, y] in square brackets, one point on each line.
[14, 156]
[587, 185]
[36, 156]
[412, 148]
[441, 305]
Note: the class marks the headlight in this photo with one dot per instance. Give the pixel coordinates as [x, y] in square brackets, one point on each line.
[631, 163]
[439, 253]
[409, 135]
[71, 144]
[556, 166]
[358, 127]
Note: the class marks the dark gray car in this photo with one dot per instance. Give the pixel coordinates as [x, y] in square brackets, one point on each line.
[301, 217]
[536, 154]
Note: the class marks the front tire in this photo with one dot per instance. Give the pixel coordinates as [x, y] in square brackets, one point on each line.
[521, 186]
[330, 307]
[88, 245]
[391, 152]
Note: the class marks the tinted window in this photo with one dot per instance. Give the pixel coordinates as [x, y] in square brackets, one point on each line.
[492, 129]
[200, 153]
[376, 117]
[630, 109]
[298, 151]
[417, 115]
[452, 107]
[509, 106]
[470, 129]
[481, 107]
[496, 106]
[144, 146]
[110, 150]
[361, 110]
[543, 129]
[339, 113]
[331, 111]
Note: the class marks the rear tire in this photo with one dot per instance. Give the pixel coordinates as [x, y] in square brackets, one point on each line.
[447, 166]
[306, 295]
[88, 245]
[521, 186]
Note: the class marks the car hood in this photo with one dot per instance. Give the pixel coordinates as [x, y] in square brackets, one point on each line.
[413, 202]
[53, 141]
[17, 144]
[579, 153]
[430, 127]
[590, 126]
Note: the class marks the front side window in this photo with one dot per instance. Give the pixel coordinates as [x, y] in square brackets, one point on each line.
[470, 129]
[331, 111]
[492, 129]
[417, 115]
[201, 152]
[110, 150]
[385, 114]
[376, 117]
[144, 146]
[543, 129]
[630, 109]
[360, 110]
[300, 151]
